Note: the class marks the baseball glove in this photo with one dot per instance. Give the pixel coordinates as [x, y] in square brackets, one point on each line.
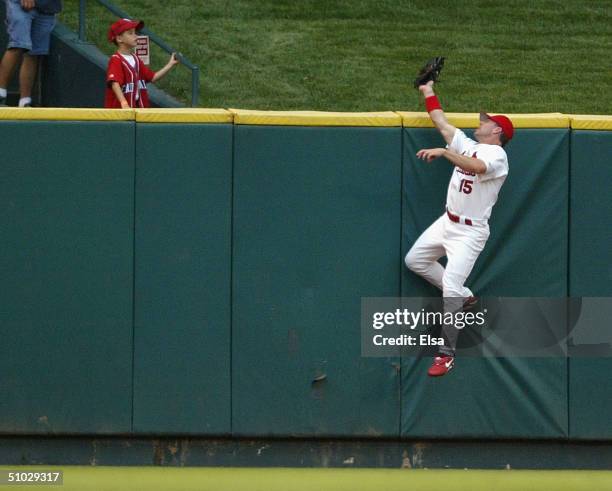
[431, 71]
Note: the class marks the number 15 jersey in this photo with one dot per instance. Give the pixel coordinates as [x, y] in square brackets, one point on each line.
[473, 195]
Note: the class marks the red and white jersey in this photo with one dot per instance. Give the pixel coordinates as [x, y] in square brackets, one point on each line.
[132, 79]
[473, 195]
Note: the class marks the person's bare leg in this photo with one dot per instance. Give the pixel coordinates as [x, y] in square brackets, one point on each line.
[9, 62]
[27, 74]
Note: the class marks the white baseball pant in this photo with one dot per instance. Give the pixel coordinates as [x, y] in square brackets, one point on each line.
[460, 243]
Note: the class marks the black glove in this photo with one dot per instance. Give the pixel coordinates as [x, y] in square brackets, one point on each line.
[431, 71]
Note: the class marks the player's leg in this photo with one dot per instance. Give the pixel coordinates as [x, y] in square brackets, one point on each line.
[422, 258]
[463, 246]
[18, 24]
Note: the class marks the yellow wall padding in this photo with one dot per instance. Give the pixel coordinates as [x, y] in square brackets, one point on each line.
[315, 118]
[296, 118]
[470, 120]
[176, 115]
[65, 114]
[586, 122]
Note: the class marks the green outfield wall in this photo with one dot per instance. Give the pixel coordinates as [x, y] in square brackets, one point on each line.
[590, 235]
[67, 226]
[526, 255]
[316, 226]
[182, 278]
[200, 272]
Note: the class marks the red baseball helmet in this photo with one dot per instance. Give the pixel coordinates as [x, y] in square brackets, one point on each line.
[503, 122]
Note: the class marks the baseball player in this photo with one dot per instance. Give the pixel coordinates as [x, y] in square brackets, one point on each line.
[480, 169]
[127, 75]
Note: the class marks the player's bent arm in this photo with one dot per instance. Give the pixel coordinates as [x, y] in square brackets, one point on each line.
[116, 88]
[469, 164]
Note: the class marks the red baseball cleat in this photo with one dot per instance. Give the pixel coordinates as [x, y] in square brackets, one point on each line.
[470, 303]
[441, 366]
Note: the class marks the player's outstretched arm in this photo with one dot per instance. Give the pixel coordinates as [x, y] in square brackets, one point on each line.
[436, 113]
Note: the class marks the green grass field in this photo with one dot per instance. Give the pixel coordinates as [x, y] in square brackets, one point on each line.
[284, 479]
[361, 55]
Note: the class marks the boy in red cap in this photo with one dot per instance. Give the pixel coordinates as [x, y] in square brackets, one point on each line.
[127, 75]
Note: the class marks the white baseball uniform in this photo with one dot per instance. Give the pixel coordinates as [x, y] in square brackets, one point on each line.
[462, 232]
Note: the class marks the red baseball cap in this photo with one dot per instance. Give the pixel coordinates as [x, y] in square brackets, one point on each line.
[503, 122]
[123, 25]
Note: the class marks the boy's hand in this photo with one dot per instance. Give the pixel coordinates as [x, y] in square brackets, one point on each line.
[28, 4]
[125, 105]
[173, 60]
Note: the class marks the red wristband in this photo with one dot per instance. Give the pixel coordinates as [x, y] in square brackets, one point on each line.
[432, 103]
